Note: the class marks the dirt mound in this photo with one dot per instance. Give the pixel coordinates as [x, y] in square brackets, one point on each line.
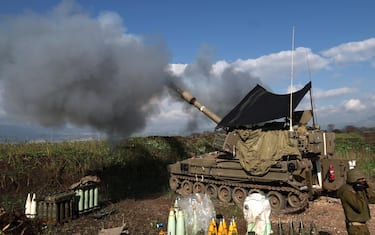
[15, 222]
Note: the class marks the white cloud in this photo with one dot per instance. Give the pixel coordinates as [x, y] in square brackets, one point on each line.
[327, 109]
[354, 105]
[352, 51]
[277, 66]
[269, 68]
[334, 92]
[219, 67]
[326, 113]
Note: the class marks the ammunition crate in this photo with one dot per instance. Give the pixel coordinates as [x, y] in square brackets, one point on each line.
[56, 209]
[87, 196]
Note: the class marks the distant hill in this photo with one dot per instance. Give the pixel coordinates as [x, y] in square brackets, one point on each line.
[24, 133]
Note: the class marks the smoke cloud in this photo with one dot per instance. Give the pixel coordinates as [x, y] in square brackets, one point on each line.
[218, 86]
[69, 68]
[66, 67]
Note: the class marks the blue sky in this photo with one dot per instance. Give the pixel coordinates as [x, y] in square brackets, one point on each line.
[200, 40]
[244, 29]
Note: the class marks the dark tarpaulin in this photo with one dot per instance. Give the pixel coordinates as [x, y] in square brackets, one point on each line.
[260, 105]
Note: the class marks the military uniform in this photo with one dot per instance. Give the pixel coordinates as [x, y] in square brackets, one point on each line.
[355, 197]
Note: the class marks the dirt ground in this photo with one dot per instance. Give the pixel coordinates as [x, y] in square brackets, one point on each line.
[142, 217]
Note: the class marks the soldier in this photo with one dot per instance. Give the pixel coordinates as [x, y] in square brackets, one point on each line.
[355, 196]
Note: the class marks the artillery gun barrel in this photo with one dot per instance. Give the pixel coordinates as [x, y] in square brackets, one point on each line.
[193, 101]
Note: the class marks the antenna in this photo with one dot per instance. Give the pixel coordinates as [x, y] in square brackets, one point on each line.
[291, 85]
[311, 97]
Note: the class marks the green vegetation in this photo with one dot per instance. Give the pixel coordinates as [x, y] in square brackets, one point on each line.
[136, 167]
[354, 146]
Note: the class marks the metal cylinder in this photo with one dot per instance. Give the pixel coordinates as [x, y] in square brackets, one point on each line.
[81, 199]
[91, 198]
[86, 199]
[61, 213]
[193, 101]
[96, 197]
[54, 211]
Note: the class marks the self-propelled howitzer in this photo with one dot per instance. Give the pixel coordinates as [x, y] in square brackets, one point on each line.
[257, 151]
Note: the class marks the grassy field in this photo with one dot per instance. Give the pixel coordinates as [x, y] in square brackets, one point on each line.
[132, 168]
[354, 146]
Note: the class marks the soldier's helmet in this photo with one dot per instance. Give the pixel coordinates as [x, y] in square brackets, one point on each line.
[353, 175]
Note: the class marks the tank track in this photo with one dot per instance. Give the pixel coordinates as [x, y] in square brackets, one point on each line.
[303, 196]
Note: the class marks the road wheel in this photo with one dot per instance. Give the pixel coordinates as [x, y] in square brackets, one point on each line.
[294, 200]
[174, 182]
[186, 188]
[225, 193]
[198, 187]
[277, 201]
[211, 190]
[239, 195]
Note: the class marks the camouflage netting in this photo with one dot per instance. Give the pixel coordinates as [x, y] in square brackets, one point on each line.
[258, 150]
